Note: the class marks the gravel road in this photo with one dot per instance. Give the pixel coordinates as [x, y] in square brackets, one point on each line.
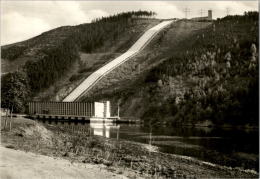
[16, 164]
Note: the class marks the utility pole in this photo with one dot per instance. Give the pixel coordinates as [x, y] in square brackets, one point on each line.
[201, 15]
[201, 12]
[227, 11]
[118, 110]
[187, 11]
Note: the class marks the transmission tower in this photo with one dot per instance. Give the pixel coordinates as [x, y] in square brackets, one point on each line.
[227, 11]
[187, 11]
[201, 12]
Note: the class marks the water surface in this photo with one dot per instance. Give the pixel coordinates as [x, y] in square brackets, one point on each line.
[229, 147]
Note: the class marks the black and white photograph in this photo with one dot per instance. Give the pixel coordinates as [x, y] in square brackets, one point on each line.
[129, 89]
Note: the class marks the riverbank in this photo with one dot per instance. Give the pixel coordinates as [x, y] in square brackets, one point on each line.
[122, 157]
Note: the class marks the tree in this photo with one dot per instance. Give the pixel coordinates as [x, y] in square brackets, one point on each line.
[14, 91]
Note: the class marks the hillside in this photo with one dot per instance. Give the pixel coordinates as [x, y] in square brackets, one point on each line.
[88, 62]
[129, 76]
[191, 73]
[59, 59]
[195, 73]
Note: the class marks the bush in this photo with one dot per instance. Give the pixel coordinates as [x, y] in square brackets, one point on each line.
[15, 91]
[75, 77]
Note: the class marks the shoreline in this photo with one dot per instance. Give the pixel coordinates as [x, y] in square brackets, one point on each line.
[198, 125]
[79, 165]
[120, 157]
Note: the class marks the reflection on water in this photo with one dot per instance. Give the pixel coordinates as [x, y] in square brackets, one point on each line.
[104, 129]
[107, 130]
[236, 148]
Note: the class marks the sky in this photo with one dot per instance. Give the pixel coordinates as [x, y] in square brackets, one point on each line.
[21, 20]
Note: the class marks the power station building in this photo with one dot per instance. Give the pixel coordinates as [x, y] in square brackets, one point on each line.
[75, 110]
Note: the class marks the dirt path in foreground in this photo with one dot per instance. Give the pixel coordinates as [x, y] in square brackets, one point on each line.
[23, 165]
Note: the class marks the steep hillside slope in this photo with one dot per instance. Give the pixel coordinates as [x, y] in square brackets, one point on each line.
[128, 79]
[192, 75]
[90, 62]
[14, 56]
[136, 48]
[53, 60]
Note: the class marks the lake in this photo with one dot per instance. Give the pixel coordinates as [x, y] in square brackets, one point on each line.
[229, 147]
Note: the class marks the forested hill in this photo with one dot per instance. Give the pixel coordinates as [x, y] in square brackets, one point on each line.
[195, 73]
[36, 64]
[220, 69]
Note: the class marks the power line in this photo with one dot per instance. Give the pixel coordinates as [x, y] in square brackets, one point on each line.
[187, 11]
[201, 12]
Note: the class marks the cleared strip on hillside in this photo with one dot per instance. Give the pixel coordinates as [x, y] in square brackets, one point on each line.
[90, 81]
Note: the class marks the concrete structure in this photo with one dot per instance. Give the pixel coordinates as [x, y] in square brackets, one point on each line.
[102, 109]
[90, 81]
[209, 14]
